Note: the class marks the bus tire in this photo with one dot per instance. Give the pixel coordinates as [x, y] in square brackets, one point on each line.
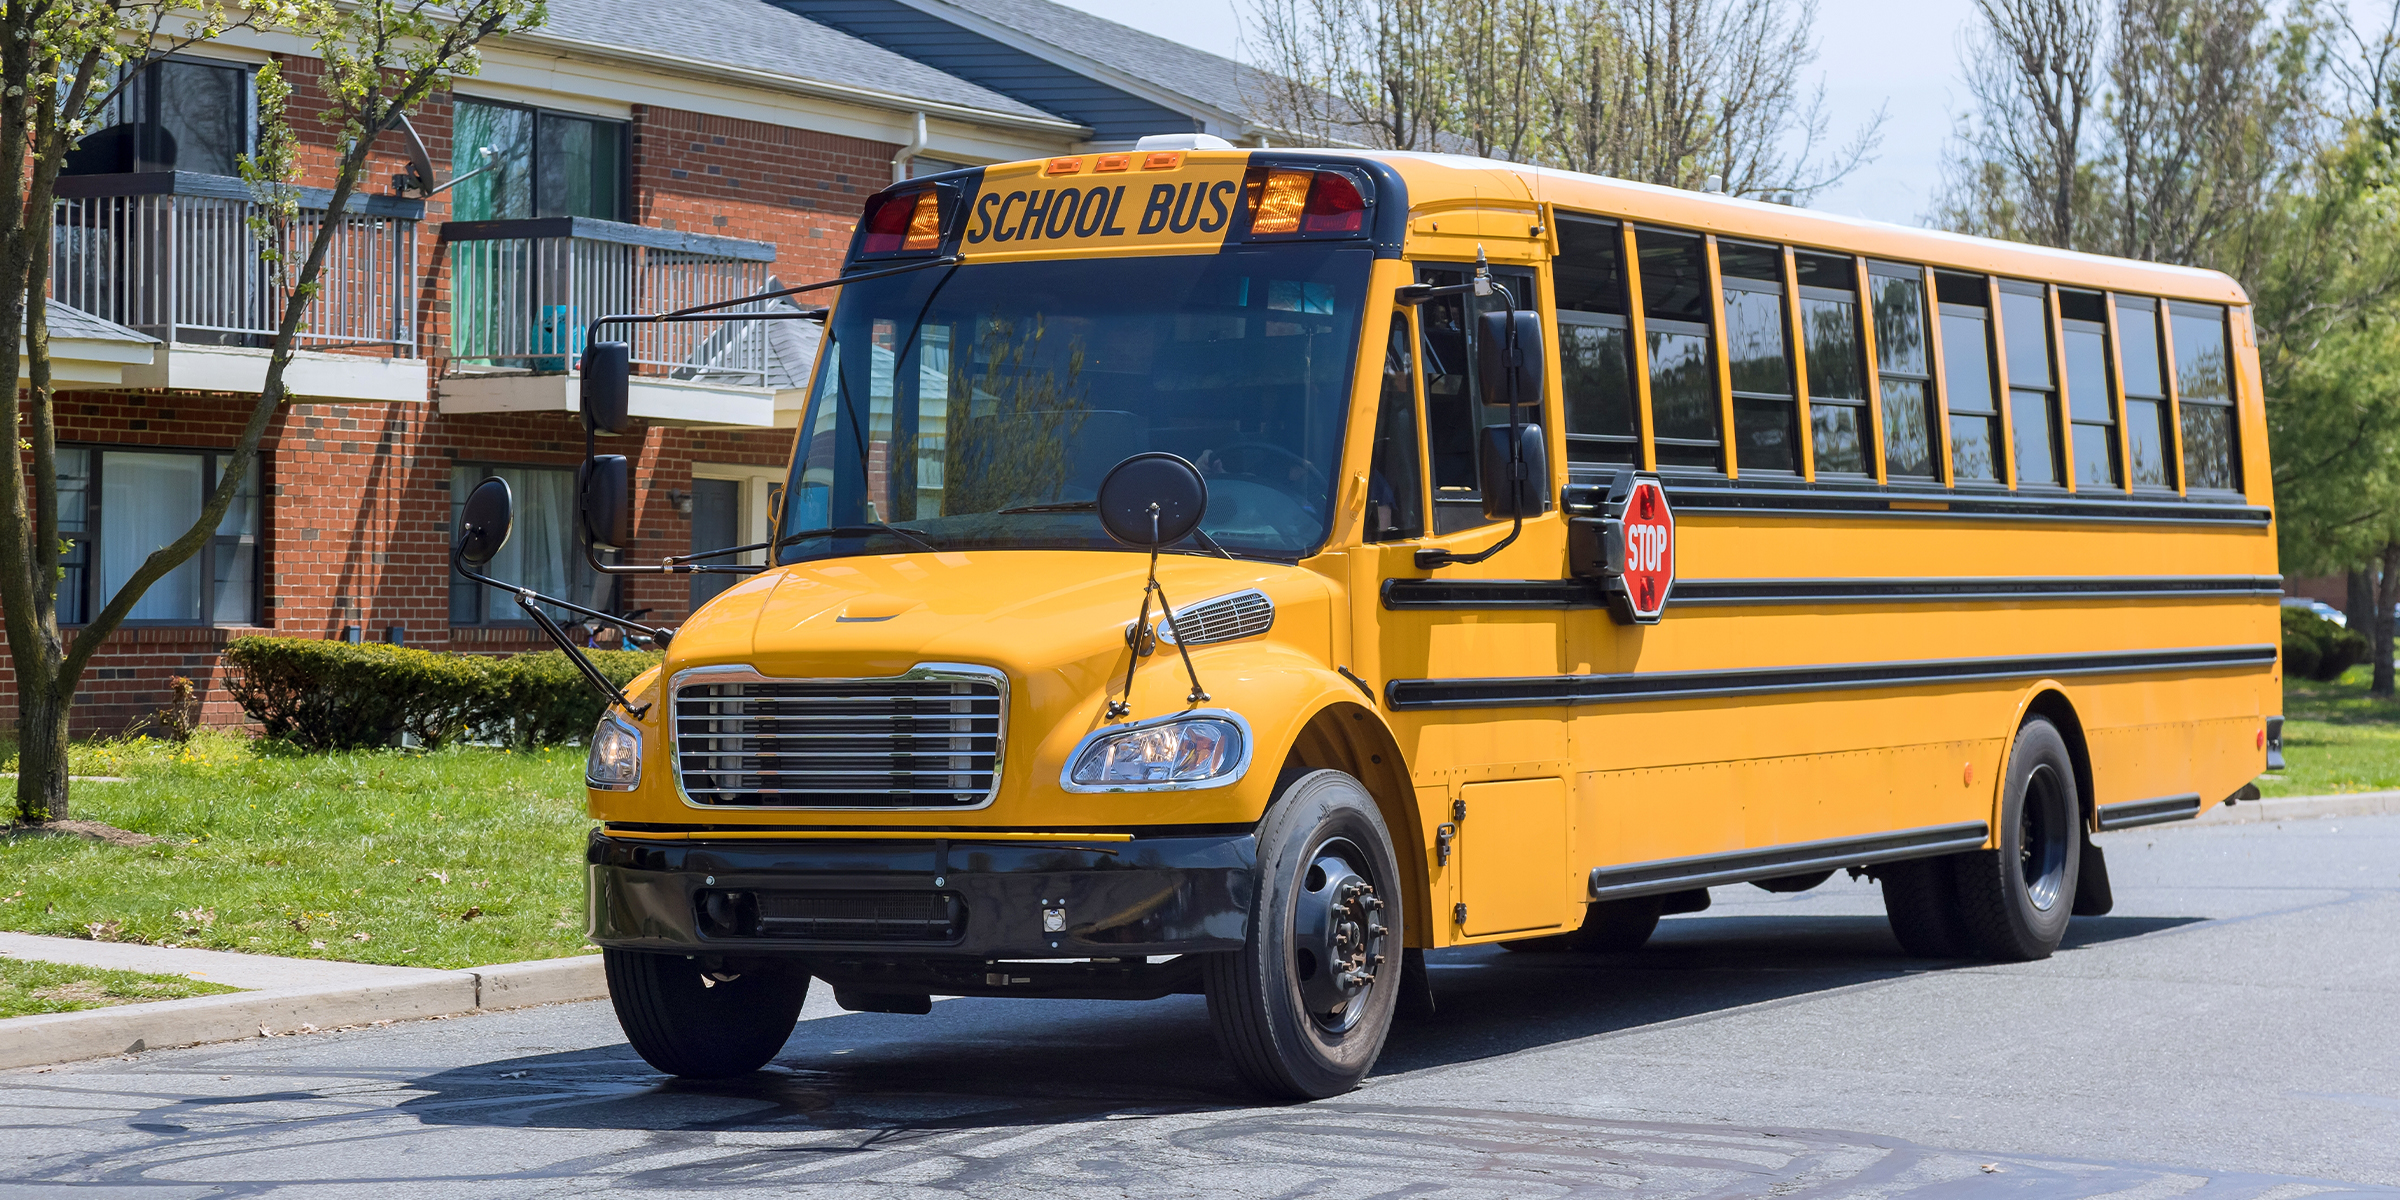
[1302, 1010]
[725, 1026]
[1609, 927]
[1920, 899]
[2016, 899]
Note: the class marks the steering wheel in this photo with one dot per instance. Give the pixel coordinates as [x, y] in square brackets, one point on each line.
[1317, 478]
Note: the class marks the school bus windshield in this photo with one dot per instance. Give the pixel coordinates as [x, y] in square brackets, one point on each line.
[976, 407]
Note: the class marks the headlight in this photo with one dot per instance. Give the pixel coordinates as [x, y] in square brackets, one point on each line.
[616, 760]
[1198, 750]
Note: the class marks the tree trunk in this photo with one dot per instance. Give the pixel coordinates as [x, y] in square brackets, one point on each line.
[41, 754]
[2385, 597]
[2360, 603]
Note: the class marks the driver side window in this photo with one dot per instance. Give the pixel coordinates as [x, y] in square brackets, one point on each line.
[1453, 416]
[1395, 499]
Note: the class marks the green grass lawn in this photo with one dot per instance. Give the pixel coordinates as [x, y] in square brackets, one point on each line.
[28, 988]
[456, 858]
[2336, 738]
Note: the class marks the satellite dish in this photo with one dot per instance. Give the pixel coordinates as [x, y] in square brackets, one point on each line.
[484, 522]
[1152, 501]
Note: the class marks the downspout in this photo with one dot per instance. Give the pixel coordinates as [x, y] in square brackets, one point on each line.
[915, 147]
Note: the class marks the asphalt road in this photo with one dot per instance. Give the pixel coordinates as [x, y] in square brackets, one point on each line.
[2232, 1031]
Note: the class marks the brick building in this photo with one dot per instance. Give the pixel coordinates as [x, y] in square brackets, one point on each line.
[623, 157]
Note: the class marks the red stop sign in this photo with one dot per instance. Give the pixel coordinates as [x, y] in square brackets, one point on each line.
[1649, 528]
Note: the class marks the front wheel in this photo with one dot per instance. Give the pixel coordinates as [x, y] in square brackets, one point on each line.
[700, 1024]
[1302, 1009]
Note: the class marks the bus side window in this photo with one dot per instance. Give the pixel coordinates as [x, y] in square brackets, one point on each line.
[2032, 387]
[1683, 369]
[1837, 389]
[1588, 279]
[2145, 391]
[1395, 504]
[2091, 410]
[1453, 414]
[1967, 378]
[1758, 350]
[2204, 395]
[1904, 369]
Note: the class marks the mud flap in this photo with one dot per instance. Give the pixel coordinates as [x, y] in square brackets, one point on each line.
[2092, 895]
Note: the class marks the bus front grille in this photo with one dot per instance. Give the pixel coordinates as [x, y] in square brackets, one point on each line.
[930, 739]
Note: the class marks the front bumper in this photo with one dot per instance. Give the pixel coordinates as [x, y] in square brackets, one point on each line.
[920, 899]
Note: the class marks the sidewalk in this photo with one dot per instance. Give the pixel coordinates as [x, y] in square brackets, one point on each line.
[288, 995]
[2295, 808]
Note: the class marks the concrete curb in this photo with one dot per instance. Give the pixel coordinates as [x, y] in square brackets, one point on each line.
[125, 1029]
[2293, 808]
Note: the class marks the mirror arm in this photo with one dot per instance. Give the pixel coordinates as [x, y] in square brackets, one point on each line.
[526, 599]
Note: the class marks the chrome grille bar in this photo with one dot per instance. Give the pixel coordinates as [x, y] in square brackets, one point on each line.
[928, 739]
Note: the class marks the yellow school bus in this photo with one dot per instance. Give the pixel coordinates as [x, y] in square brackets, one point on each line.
[1237, 572]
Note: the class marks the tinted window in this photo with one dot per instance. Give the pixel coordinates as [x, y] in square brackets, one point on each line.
[2204, 394]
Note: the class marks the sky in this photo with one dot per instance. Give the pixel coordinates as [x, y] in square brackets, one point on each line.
[1900, 55]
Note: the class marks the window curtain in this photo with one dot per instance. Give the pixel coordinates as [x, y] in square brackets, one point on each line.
[147, 501]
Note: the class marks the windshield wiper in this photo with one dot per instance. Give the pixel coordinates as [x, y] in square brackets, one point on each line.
[1054, 506]
[864, 529]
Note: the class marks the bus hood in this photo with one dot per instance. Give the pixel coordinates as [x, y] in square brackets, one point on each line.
[1044, 616]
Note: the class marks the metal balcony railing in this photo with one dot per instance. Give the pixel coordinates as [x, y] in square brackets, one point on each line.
[174, 254]
[521, 293]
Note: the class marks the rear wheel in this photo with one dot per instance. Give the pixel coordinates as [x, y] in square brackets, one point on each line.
[1920, 898]
[2015, 900]
[700, 1024]
[1303, 1009]
[1609, 927]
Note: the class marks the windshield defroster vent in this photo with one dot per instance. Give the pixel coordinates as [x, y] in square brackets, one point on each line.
[931, 738]
[1220, 619]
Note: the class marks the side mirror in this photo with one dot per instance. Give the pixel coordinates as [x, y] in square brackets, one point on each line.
[1518, 484]
[607, 375]
[1151, 501]
[1509, 347]
[607, 499]
[484, 522]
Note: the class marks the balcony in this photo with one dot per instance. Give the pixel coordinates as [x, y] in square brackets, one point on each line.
[175, 255]
[522, 292]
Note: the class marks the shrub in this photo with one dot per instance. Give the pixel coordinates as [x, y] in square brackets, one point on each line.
[548, 701]
[2315, 648]
[327, 695]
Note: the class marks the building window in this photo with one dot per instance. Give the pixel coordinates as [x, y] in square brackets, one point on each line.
[2204, 395]
[1903, 368]
[1967, 378]
[1594, 376]
[1758, 353]
[2146, 432]
[731, 506]
[545, 164]
[2032, 387]
[542, 552]
[179, 114]
[115, 507]
[1683, 369]
[2091, 408]
[1395, 499]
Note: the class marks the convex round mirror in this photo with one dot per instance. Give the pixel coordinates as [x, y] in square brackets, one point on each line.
[483, 523]
[1152, 501]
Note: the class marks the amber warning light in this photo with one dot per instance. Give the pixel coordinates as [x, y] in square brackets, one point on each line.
[1285, 200]
[898, 222]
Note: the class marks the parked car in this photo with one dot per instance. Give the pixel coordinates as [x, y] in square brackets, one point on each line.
[2322, 609]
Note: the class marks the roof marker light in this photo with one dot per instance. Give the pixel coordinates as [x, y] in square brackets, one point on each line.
[1113, 162]
[1063, 166]
[1162, 160]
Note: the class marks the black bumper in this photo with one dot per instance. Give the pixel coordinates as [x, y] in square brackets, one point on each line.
[922, 899]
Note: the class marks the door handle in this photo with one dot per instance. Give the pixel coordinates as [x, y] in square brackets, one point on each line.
[1441, 843]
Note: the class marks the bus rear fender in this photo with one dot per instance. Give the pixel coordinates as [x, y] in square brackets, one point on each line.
[1348, 736]
[2048, 699]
